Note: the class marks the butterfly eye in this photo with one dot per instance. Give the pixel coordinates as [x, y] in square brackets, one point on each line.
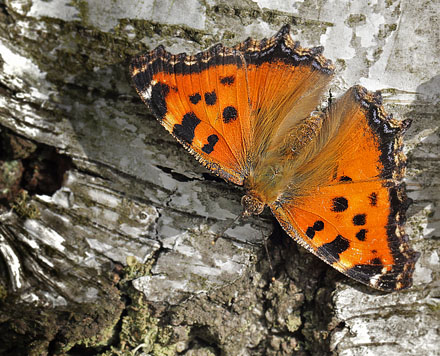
[251, 205]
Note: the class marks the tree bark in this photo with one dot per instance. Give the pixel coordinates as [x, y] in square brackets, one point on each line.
[106, 222]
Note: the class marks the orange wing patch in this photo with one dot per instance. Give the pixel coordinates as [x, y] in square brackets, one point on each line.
[355, 221]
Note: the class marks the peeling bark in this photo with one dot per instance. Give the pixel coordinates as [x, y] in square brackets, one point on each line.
[106, 223]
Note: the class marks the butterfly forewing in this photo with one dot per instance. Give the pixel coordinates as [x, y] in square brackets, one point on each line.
[203, 102]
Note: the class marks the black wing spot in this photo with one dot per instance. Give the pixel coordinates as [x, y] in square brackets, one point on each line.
[318, 225]
[361, 234]
[332, 250]
[209, 147]
[335, 173]
[211, 98]
[376, 261]
[157, 102]
[185, 131]
[359, 219]
[373, 199]
[229, 114]
[227, 80]
[339, 204]
[195, 98]
[345, 179]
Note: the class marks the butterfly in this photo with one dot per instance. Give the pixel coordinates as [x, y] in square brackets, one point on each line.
[331, 178]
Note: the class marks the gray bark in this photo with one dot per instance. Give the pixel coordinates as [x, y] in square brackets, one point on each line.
[106, 222]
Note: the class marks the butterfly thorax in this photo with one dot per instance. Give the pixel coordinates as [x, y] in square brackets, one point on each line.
[281, 167]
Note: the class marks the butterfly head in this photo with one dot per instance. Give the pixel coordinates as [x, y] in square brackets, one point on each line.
[252, 205]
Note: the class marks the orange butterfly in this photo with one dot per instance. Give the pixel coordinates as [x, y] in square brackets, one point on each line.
[332, 178]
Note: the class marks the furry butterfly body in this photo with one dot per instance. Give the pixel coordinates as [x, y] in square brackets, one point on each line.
[331, 178]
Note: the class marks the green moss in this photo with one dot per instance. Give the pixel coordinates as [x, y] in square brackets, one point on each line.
[435, 308]
[229, 35]
[377, 53]
[355, 20]
[388, 3]
[104, 335]
[386, 30]
[293, 322]
[341, 63]
[275, 17]
[93, 325]
[124, 209]
[83, 7]
[32, 330]
[24, 208]
[391, 91]
[392, 27]
[199, 280]
[84, 49]
[136, 269]
[3, 292]
[310, 24]
[140, 331]
[10, 176]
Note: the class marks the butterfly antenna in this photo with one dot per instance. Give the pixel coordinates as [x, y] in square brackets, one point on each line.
[219, 234]
[268, 259]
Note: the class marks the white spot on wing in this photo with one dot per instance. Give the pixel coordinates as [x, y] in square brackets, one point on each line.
[146, 94]
[375, 280]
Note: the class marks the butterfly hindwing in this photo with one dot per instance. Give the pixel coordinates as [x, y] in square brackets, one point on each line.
[354, 221]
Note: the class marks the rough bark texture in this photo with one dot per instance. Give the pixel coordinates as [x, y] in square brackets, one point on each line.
[106, 222]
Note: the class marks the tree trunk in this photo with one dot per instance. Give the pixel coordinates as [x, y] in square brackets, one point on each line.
[106, 222]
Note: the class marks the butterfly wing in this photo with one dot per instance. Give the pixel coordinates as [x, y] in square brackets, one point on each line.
[352, 211]
[202, 101]
[286, 83]
[225, 105]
